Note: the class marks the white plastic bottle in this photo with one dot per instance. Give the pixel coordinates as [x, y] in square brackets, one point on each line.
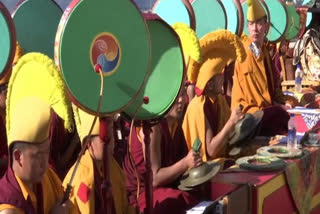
[298, 79]
[292, 133]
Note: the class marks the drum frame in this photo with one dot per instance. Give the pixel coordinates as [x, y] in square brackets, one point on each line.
[156, 120]
[57, 49]
[224, 11]
[12, 32]
[189, 9]
[287, 25]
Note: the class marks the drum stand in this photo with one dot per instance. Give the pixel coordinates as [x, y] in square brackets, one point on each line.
[106, 187]
[149, 175]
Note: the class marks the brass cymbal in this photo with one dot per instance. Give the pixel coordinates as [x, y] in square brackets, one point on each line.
[200, 174]
[246, 127]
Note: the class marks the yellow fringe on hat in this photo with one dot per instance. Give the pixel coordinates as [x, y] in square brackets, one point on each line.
[190, 42]
[48, 85]
[84, 122]
[224, 43]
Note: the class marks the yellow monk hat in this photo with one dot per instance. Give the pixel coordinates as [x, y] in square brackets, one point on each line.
[84, 122]
[189, 41]
[35, 88]
[255, 10]
[218, 48]
[30, 121]
[18, 54]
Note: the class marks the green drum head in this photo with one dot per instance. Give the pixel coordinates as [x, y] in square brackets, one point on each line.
[278, 20]
[235, 16]
[210, 16]
[166, 77]
[173, 11]
[244, 6]
[94, 32]
[7, 40]
[293, 23]
[36, 23]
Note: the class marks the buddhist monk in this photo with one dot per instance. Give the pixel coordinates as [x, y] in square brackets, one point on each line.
[86, 194]
[28, 185]
[255, 86]
[208, 117]
[169, 160]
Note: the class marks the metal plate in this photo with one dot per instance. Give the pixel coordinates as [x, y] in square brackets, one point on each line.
[92, 32]
[279, 151]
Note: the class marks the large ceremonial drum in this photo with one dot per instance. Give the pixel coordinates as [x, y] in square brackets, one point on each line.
[293, 22]
[36, 23]
[235, 16]
[7, 40]
[166, 77]
[278, 20]
[210, 16]
[173, 11]
[112, 34]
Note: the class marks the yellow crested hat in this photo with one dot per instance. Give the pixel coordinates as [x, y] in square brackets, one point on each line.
[255, 10]
[189, 41]
[35, 88]
[18, 54]
[218, 48]
[84, 122]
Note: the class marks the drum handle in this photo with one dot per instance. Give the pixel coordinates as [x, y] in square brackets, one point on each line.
[144, 101]
[85, 143]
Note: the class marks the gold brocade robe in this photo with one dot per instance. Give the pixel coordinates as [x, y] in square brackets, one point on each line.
[251, 86]
[84, 182]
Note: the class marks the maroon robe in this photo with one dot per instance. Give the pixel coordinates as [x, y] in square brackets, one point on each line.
[3, 145]
[60, 140]
[10, 193]
[164, 198]
[275, 119]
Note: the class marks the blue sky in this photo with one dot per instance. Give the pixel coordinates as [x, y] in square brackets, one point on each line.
[142, 4]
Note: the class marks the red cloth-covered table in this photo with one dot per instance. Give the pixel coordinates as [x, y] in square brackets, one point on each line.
[270, 192]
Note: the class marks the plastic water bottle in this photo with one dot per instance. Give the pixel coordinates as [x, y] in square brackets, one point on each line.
[298, 78]
[292, 133]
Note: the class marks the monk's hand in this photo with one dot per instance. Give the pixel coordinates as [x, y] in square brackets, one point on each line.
[236, 115]
[193, 159]
[61, 208]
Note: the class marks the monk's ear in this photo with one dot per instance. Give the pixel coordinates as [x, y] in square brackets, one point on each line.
[17, 154]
